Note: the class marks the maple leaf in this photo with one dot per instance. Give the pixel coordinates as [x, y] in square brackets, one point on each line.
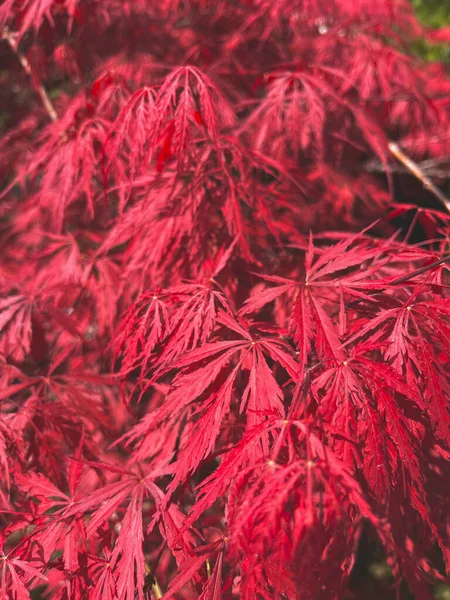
[293, 111]
[127, 558]
[213, 588]
[209, 373]
[186, 572]
[4, 439]
[17, 574]
[66, 160]
[218, 482]
[409, 331]
[181, 318]
[133, 127]
[50, 531]
[276, 402]
[143, 326]
[187, 99]
[271, 530]
[31, 12]
[16, 325]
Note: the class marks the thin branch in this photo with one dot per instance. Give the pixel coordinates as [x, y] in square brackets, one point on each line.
[398, 281]
[9, 37]
[431, 167]
[417, 172]
[437, 263]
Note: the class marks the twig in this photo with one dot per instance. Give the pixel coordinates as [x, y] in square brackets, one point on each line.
[436, 263]
[417, 172]
[431, 167]
[400, 280]
[9, 37]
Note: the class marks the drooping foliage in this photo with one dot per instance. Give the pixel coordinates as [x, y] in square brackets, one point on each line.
[224, 357]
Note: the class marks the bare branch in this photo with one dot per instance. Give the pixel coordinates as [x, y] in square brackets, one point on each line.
[432, 167]
[417, 172]
[9, 37]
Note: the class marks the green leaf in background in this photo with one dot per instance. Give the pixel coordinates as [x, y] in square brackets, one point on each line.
[436, 14]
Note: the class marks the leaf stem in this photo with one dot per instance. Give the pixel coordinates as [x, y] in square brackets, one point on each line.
[9, 37]
[402, 279]
[424, 269]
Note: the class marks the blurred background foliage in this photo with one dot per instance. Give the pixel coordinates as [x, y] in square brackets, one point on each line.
[435, 14]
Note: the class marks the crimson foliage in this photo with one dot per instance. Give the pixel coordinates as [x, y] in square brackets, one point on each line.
[220, 362]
